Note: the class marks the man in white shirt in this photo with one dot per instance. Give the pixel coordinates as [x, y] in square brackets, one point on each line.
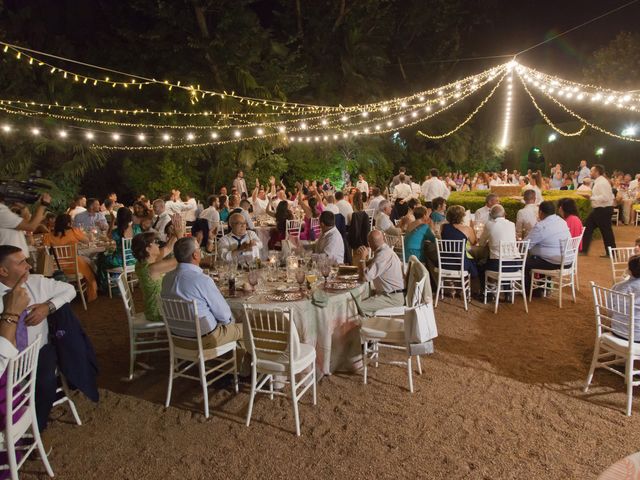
[385, 271]
[12, 226]
[14, 301]
[497, 230]
[92, 217]
[211, 214]
[175, 204]
[344, 207]
[434, 187]
[259, 200]
[161, 219]
[362, 185]
[241, 207]
[330, 242]
[383, 219]
[331, 205]
[79, 206]
[240, 245]
[583, 172]
[376, 198]
[240, 184]
[633, 185]
[527, 216]
[602, 200]
[191, 209]
[482, 214]
[402, 190]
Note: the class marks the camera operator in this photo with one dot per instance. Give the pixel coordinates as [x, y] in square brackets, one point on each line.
[12, 226]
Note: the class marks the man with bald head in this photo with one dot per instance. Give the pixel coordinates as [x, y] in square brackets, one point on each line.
[385, 271]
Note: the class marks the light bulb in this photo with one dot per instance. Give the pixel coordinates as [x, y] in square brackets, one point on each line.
[344, 118]
[116, 136]
[260, 131]
[190, 137]
[324, 121]
[89, 135]
[237, 134]
[141, 137]
[6, 128]
[282, 129]
[214, 135]
[303, 126]
[63, 134]
[35, 131]
[166, 137]
[365, 114]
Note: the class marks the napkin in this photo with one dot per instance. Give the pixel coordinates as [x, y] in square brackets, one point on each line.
[319, 298]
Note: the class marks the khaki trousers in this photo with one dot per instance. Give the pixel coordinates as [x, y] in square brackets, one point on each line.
[374, 303]
[222, 334]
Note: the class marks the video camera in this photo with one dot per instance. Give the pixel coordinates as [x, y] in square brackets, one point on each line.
[26, 191]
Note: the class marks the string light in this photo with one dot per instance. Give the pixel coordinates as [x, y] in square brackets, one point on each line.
[89, 135]
[6, 128]
[507, 109]
[63, 134]
[35, 131]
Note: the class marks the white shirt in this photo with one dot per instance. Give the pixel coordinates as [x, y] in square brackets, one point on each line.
[259, 206]
[601, 193]
[191, 206]
[434, 188]
[496, 231]
[72, 212]
[345, 209]
[525, 220]
[332, 208]
[385, 270]
[173, 207]
[240, 185]
[402, 190]
[211, 215]
[383, 222]
[230, 243]
[160, 222]
[331, 244]
[375, 203]
[41, 290]
[548, 237]
[482, 215]
[538, 193]
[8, 234]
[363, 186]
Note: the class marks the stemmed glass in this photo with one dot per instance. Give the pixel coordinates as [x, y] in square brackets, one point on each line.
[325, 270]
[300, 277]
[253, 278]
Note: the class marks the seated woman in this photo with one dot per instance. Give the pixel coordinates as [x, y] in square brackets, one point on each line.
[408, 218]
[456, 230]
[223, 208]
[568, 210]
[151, 266]
[140, 212]
[64, 234]
[439, 208]
[630, 285]
[357, 235]
[414, 240]
[279, 233]
[124, 229]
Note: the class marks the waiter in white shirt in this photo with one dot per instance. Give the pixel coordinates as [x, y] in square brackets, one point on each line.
[602, 199]
[362, 184]
[402, 190]
[240, 184]
[434, 187]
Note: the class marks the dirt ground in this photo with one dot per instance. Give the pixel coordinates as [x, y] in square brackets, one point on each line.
[501, 398]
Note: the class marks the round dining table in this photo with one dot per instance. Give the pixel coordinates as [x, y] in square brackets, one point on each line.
[324, 317]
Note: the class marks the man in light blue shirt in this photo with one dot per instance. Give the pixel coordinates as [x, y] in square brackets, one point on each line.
[92, 217]
[620, 324]
[546, 241]
[188, 282]
[583, 172]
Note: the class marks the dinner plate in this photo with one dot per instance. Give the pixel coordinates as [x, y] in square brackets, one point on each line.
[285, 297]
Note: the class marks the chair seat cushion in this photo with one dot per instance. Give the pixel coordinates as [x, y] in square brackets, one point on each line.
[388, 330]
[613, 342]
[279, 362]
[140, 323]
[505, 275]
[444, 273]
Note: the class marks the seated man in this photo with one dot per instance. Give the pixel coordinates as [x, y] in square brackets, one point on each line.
[92, 217]
[240, 245]
[330, 242]
[188, 282]
[14, 300]
[546, 241]
[383, 219]
[497, 229]
[482, 214]
[385, 271]
[630, 285]
[527, 216]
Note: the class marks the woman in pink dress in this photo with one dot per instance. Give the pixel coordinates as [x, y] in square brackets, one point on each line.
[568, 210]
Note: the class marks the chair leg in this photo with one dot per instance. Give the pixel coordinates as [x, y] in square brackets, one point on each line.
[524, 297]
[376, 350]
[235, 370]
[410, 373]
[252, 395]
[628, 377]
[11, 453]
[435, 304]
[41, 450]
[132, 353]
[271, 387]
[419, 364]
[205, 390]
[464, 294]
[84, 302]
[365, 361]
[171, 367]
[592, 368]
[498, 286]
[560, 294]
[72, 405]
[109, 284]
[531, 287]
[573, 289]
[294, 398]
[313, 379]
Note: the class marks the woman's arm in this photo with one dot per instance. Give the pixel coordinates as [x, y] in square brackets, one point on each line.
[162, 266]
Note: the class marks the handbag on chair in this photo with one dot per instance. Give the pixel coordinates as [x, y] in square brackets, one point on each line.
[58, 274]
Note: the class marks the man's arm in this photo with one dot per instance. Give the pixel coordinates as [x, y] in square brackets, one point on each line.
[38, 216]
[215, 301]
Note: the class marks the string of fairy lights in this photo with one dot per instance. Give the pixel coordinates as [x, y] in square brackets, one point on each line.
[113, 128]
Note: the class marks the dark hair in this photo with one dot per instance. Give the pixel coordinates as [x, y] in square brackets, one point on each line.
[529, 194]
[547, 208]
[77, 198]
[428, 205]
[339, 195]
[568, 206]
[91, 201]
[123, 218]
[245, 204]
[599, 168]
[63, 223]
[328, 219]
[212, 200]
[634, 266]
[222, 201]
[140, 204]
[363, 195]
[139, 245]
[455, 214]
[375, 191]
[419, 212]
[282, 215]
[184, 248]
[437, 202]
[108, 202]
[6, 250]
[412, 203]
[434, 172]
[313, 204]
[358, 205]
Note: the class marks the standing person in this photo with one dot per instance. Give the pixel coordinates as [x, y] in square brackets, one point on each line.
[583, 172]
[433, 187]
[602, 199]
[344, 207]
[240, 184]
[362, 184]
[398, 178]
[358, 230]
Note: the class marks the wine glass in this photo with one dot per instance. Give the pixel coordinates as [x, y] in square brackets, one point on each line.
[300, 277]
[253, 278]
[325, 270]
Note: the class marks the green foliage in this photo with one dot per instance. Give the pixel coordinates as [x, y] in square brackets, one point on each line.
[476, 199]
[616, 65]
[155, 179]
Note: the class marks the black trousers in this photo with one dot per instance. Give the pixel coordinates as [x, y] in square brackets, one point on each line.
[599, 218]
[46, 384]
[536, 263]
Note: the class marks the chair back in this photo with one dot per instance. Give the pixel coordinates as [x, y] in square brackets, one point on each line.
[570, 253]
[127, 254]
[270, 331]
[619, 258]
[614, 312]
[513, 256]
[372, 213]
[220, 230]
[293, 229]
[417, 282]
[396, 242]
[315, 227]
[67, 256]
[451, 254]
[20, 389]
[181, 319]
[127, 298]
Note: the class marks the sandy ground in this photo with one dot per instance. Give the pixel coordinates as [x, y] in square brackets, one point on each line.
[500, 399]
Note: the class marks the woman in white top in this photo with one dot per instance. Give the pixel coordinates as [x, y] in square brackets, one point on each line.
[535, 184]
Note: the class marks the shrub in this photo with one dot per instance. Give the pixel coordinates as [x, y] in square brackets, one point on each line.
[476, 199]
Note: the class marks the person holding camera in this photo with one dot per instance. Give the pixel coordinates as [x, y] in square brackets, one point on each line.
[12, 226]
